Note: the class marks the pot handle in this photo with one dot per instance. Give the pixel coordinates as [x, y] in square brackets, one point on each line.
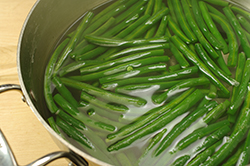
[7, 157]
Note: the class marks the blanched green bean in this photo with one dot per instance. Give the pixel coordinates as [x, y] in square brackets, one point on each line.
[120, 68]
[109, 96]
[158, 78]
[182, 107]
[192, 82]
[154, 113]
[161, 67]
[196, 61]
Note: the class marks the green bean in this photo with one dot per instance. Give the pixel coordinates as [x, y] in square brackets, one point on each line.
[128, 58]
[95, 116]
[149, 23]
[124, 24]
[243, 158]
[149, 8]
[232, 39]
[95, 25]
[234, 158]
[222, 95]
[73, 133]
[174, 68]
[181, 160]
[110, 22]
[97, 32]
[134, 33]
[242, 89]
[120, 68]
[73, 41]
[203, 27]
[182, 21]
[171, 10]
[200, 158]
[212, 91]
[245, 106]
[199, 133]
[247, 34]
[233, 141]
[101, 104]
[154, 140]
[191, 47]
[217, 2]
[222, 64]
[99, 50]
[74, 112]
[233, 118]
[158, 78]
[182, 85]
[162, 27]
[241, 11]
[196, 61]
[62, 89]
[127, 32]
[54, 126]
[104, 113]
[238, 29]
[162, 85]
[168, 33]
[177, 31]
[181, 108]
[216, 12]
[76, 66]
[204, 101]
[110, 42]
[238, 73]
[48, 76]
[212, 27]
[214, 137]
[81, 44]
[112, 13]
[137, 49]
[72, 121]
[157, 6]
[112, 32]
[134, 72]
[244, 22]
[197, 31]
[107, 9]
[203, 144]
[118, 98]
[83, 103]
[154, 113]
[132, 9]
[181, 126]
[179, 56]
[217, 112]
[213, 67]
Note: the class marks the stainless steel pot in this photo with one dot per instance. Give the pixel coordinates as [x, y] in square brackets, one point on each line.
[44, 26]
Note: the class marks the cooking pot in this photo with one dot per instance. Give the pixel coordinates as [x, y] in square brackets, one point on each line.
[44, 26]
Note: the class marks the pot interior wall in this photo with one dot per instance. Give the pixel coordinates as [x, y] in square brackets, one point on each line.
[44, 27]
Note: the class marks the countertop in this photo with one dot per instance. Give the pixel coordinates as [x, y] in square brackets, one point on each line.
[27, 137]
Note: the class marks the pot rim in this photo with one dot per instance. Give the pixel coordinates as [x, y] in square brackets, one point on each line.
[31, 105]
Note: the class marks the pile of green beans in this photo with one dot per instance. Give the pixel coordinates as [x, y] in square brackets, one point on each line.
[153, 82]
